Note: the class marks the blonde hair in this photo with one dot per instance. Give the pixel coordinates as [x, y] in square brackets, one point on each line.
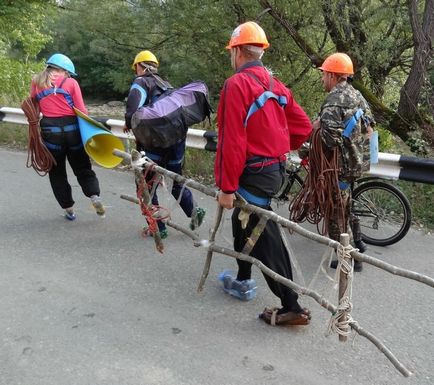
[44, 79]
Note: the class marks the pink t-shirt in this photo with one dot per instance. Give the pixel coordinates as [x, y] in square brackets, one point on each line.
[55, 105]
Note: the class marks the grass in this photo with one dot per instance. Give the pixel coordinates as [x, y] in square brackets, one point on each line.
[13, 135]
[421, 197]
[199, 164]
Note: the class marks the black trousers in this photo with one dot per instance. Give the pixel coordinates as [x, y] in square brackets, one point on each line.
[269, 248]
[170, 158]
[67, 145]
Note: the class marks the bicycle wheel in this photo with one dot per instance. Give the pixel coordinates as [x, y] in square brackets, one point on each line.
[384, 212]
[291, 188]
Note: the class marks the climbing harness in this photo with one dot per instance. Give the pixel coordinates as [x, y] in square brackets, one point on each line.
[264, 97]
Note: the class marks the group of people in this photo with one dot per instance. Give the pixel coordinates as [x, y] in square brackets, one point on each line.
[259, 122]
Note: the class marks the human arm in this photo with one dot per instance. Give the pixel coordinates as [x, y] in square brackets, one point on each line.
[299, 124]
[232, 137]
[226, 200]
[77, 97]
[136, 98]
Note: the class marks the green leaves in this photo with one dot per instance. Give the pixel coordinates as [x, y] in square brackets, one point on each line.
[22, 36]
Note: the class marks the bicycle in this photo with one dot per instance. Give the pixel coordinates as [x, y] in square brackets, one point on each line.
[383, 209]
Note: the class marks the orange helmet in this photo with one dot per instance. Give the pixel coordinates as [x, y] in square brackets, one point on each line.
[248, 33]
[339, 63]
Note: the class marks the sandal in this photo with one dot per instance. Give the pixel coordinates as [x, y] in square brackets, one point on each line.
[291, 318]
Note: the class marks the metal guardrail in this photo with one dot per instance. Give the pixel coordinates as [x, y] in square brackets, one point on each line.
[389, 166]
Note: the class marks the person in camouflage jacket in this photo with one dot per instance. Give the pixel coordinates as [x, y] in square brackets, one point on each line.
[345, 121]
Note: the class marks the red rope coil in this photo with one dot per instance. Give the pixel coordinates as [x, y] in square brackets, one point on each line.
[320, 192]
[38, 156]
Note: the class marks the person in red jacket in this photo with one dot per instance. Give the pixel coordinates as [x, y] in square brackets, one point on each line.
[251, 154]
[57, 93]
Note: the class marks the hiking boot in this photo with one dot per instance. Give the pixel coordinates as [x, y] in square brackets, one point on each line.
[244, 290]
[163, 233]
[361, 246]
[358, 266]
[98, 206]
[197, 217]
[70, 215]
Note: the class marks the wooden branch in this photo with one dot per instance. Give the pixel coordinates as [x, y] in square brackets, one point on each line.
[323, 302]
[208, 259]
[146, 199]
[343, 282]
[292, 31]
[292, 226]
[299, 289]
[382, 348]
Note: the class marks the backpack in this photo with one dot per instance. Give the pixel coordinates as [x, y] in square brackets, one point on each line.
[165, 121]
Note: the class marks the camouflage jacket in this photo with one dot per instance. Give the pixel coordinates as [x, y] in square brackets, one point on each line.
[339, 106]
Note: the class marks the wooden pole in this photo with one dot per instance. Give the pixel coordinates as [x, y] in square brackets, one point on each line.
[292, 226]
[209, 252]
[343, 285]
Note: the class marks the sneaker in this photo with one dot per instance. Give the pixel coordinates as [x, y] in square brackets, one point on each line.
[197, 217]
[98, 206]
[243, 290]
[70, 215]
[163, 233]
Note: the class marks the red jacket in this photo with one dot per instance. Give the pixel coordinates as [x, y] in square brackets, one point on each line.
[272, 131]
[55, 105]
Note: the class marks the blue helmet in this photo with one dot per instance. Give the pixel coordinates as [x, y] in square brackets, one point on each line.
[62, 61]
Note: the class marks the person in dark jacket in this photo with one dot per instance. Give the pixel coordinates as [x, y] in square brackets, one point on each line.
[147, 87]
[251, 154]
[345, 122]
[57, 93]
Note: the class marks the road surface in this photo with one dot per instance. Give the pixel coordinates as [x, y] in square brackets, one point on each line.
[92, 302]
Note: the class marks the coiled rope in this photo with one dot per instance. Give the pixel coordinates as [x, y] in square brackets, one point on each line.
[38, 156]
[320, 195]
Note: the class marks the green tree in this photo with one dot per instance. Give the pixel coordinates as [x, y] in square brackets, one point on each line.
[22, 36]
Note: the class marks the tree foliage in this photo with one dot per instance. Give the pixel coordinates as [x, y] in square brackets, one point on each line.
[391, 43]
[22, 36]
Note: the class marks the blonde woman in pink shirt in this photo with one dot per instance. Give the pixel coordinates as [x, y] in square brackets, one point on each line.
[57, 93]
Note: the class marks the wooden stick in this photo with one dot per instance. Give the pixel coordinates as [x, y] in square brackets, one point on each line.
[208, 259]
[292, 226]
[299, 289]
[343, 283]
[146, 198]
[292, 285]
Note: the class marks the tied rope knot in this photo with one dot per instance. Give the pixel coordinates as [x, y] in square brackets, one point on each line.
[149, 182]
[340, 321]
[346, 266]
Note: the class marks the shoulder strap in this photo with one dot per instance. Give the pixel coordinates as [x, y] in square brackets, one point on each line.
[54, 90]
[262, 99]
[163, 84]
[351, 123]
[143, 93]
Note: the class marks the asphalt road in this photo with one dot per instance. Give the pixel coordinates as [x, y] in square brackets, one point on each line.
[92, 302]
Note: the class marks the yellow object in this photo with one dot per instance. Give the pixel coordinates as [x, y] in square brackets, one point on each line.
[144, 56]
[98, 141]
[248, 33]
[339, 63]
